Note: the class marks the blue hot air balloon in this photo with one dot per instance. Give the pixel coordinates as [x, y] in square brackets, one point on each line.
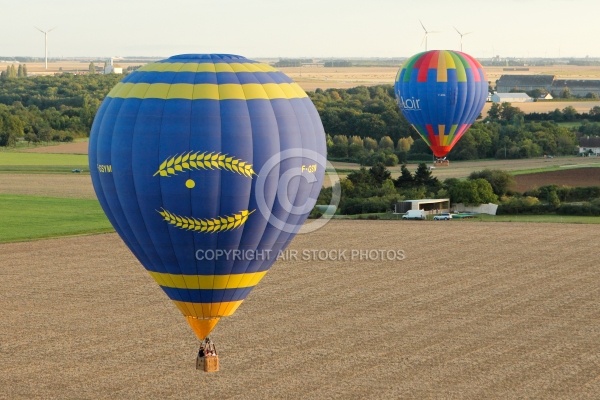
[207, 166]
[441, 93]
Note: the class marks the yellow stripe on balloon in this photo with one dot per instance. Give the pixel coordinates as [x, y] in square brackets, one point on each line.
[207, 91]
[157, 91]
[181, 91]
[442, 71]
[204, 91]
[442, 135]
[254, 92]
[138, 90]
[243, 67]
[450, 64]
[207, 310]
[233, 281]
[231, 91]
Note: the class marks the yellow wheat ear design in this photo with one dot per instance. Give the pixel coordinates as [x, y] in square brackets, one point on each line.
[219, 224]
[196, 160]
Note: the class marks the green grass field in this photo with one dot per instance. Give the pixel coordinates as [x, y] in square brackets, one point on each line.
[42, 163]
[31, 217]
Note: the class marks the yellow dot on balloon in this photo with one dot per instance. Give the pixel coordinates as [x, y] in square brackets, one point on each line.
[190, 184]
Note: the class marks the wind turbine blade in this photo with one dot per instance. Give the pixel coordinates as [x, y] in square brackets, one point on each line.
[49, 30]
[423, 26]
[39, 29]
[457, 31]
[467, 33]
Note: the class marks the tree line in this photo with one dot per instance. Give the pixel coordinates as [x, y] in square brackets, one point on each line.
[11, 72]
[50, 108]
[363, 124]
[372, 112]
[373, 190]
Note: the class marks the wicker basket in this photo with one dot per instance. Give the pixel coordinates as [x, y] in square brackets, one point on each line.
[208, 358]
[211, 363]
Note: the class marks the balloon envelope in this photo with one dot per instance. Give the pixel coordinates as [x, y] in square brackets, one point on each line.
[207, 166]
[441, 93]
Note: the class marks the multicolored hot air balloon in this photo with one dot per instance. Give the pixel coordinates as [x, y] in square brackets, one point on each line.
[207, 166]
[441, 93]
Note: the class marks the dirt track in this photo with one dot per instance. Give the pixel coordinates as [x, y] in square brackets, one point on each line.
[472, 312]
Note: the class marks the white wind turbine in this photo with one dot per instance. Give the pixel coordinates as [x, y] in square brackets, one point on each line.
[45, 42]
[461, 37]
[426, 34]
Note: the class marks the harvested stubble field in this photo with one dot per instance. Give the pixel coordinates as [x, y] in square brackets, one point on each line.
[64, 148]
[50, 185]
[311, 78]
[502, 310]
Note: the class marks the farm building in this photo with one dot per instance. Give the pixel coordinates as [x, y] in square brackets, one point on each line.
[511, 98]
[524, 83]
[549, 84]
[589, 147]
[576, 87]
[110, 68]
[430, 206]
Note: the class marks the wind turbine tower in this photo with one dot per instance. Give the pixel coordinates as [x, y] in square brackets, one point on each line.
[45, 42]
[426, 34]
[461, 37]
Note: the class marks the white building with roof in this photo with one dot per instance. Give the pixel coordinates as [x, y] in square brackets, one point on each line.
[109, 68]
[511, 98]
[430, 206]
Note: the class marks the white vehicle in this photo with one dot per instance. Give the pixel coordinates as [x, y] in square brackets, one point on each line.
[414, 214]
[443, 217]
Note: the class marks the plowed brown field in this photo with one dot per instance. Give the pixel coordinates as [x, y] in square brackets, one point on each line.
[573, 177]
[475, 310]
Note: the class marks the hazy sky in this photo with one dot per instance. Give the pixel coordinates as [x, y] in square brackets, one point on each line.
[299, 28]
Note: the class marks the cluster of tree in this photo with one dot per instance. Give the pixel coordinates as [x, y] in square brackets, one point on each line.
[567, 114]
[556, 195]
[368, 151]
[337, 63]
[50, 108]
[550, 199]
[12, 72]
[291, 62]
[588, 129]
[361, 111]
[507, 132]
[374, 190]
